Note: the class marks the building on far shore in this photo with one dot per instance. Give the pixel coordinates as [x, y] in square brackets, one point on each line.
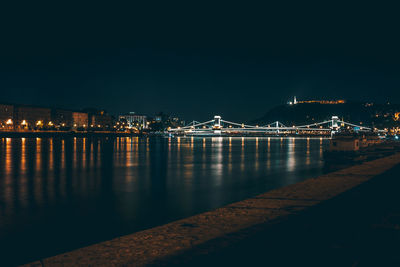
[99, 119]
[6, 116]
[80, 119]
[62, 117]
[134, 120]
[31, 117]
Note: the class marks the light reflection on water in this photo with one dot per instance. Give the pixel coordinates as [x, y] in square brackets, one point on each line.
[98, 188]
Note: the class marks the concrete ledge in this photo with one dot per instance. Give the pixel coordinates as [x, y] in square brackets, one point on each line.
[146, 247]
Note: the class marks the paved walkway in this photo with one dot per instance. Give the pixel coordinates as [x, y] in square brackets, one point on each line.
[360, 227]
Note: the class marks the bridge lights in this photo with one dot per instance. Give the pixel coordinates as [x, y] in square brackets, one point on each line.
[242, 125]
[9, 122]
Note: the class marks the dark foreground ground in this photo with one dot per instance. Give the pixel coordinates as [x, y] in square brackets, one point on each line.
[360, 227]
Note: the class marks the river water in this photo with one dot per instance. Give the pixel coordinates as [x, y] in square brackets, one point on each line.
[59, 194]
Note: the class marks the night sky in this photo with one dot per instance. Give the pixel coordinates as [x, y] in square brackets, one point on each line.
[197, 59]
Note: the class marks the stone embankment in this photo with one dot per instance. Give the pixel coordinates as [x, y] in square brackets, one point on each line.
[160, 243]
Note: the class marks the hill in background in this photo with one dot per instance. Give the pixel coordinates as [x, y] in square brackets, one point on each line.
[378, 115]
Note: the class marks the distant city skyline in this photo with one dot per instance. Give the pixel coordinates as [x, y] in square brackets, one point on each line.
[156, 113]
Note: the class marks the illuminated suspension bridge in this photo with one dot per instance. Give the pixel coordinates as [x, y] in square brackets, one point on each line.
[218, 126]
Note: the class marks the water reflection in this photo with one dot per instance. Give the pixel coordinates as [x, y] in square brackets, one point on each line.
[256, 156]
[23, 155]
[216, 158]
[104, 187]
[230, 156]
[269, 153]
[291, 160]
[308, 151]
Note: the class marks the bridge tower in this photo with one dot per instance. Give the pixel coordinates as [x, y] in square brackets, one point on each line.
[277, 127]
[217, 122]
[335, 122]
[217, 125]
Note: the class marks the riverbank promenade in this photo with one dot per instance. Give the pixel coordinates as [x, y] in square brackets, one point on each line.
[360, 227]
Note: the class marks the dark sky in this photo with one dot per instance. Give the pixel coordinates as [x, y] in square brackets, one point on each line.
[197, 59]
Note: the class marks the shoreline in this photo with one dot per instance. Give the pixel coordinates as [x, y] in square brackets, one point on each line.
[64, 134]
[156, 244]
[27, 134]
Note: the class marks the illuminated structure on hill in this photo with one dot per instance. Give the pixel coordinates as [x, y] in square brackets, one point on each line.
[325, 102]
